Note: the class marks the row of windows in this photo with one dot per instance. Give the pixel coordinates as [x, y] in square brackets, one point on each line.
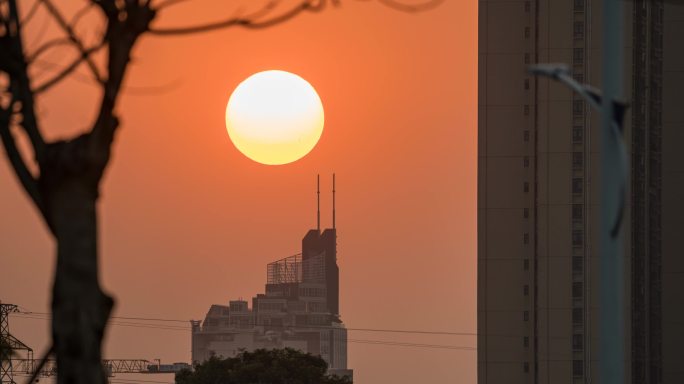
[578, 30]
[577, 185]
[311, 292]
[577, 290]
[577, 235]
[577, 107]
[577, 367]
[577, 212]
[577, 264]
[578, 56]
[577, 160]
[577, 134]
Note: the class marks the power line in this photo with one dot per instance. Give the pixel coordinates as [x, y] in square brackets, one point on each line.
[45, 316]
[420, 332]
[417, 345]
[359, 341]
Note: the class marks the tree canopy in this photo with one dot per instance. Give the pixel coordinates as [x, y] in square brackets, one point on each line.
[263, 366]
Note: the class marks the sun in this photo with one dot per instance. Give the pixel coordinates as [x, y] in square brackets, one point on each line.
[274, 117]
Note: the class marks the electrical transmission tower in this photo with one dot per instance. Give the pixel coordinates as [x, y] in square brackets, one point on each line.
[11, 363]
[9, 344]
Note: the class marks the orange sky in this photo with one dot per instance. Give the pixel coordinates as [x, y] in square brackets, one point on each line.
[188, 221]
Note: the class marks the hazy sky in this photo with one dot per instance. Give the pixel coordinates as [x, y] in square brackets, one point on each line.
[187, 221]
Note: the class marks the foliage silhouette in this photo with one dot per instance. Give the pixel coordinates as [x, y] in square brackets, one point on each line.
[263, 366]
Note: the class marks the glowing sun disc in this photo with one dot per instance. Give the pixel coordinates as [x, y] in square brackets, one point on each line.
[274, 117]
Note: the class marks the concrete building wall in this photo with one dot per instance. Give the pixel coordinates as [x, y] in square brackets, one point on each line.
[673, 194]
[538, 193]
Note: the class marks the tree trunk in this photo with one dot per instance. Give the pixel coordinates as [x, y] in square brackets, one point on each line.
[79, 307]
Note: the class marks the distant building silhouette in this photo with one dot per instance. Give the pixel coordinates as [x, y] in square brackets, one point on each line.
[538, 193]
[299, 309]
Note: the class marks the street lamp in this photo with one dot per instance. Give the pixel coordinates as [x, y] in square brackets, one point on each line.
[613, 178]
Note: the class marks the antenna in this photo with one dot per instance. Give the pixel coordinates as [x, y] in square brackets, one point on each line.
[318, 202]
[333, 201]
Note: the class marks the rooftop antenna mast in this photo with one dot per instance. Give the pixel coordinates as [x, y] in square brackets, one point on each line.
[318, 202]
[333, 201]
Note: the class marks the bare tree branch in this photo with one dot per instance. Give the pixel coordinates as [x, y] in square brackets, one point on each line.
[168, 3]
[68, 69]
[72, 36]
[122, 33]
[19, 79]
[31, 12]
[47, 46]
[250, 21]
[25, 177]
[78, 15]
[412, 8]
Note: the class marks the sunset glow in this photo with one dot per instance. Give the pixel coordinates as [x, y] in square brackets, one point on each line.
[274, 117]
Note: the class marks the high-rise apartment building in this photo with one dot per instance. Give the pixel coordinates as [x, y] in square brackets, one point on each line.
[538, 193]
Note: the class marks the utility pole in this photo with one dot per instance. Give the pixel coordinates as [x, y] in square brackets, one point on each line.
[611, 261]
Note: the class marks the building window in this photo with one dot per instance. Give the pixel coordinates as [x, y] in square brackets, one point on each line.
[526, 213]
[527, 32]
[577, 368]
[526, 187]
[577, 237]
[579, 5]
[577, 133]
[526, 315]
[526, 367]
[526, 265]
[578, 55]
[577, 211]
[527, 84]
[577, 185]
[526, 238]
[526, 136]
[577, 316]
[577, 264]
[526, 161]
[526, 290]
[577, 342]
[577, 107]
[577, 160]
[577, 290]
[526, 341]
[578, 31]
[527, 58]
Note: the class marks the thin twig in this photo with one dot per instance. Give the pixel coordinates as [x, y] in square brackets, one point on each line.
[72, 36]
[168, 3]
[31, 12]
[78, 15]
[70, 68]
[22, 88]
[45, 47]
[20, 168]
[250, 21]
[412, 8]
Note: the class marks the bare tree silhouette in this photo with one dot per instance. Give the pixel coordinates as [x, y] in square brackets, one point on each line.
[64, 186]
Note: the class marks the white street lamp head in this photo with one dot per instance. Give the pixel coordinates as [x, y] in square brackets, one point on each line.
[553, 70]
